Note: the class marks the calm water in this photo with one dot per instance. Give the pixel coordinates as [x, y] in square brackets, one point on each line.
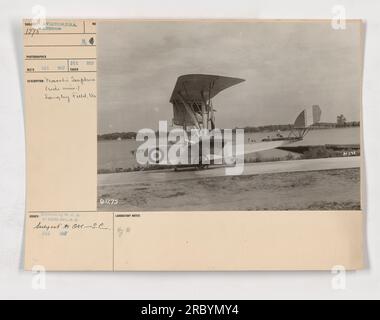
[118, 154]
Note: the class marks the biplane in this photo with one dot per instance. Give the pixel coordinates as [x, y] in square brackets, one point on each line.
[193, 109]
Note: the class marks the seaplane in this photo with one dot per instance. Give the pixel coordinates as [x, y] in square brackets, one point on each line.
[195, 113]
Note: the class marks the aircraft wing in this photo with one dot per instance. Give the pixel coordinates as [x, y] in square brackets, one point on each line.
[251, 148]
[192, 86]
[196, 88]
[263, 146]
[260, 146]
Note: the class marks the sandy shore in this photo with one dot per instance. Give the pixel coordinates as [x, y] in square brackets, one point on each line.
[316, 190]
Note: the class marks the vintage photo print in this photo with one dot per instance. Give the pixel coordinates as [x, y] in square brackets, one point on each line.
[228, 115]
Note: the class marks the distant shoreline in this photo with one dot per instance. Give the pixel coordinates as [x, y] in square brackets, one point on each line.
[268, 128]
[303, 152]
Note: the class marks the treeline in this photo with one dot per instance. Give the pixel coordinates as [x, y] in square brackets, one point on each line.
[326, 125]
[286, 127]
[117, 136]
[267, 128]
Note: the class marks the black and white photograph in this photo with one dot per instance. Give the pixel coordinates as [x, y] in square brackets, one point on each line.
[189, 157]
[229, 115]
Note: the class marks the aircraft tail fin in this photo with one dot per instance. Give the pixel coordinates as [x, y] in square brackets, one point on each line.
[305, 120]
[308, 117]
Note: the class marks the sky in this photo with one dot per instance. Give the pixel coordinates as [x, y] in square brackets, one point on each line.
[287, 67]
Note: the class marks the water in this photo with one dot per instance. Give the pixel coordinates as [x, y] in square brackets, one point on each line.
[118, 154]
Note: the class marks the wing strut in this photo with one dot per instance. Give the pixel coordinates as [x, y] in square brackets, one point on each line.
[189, 111]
